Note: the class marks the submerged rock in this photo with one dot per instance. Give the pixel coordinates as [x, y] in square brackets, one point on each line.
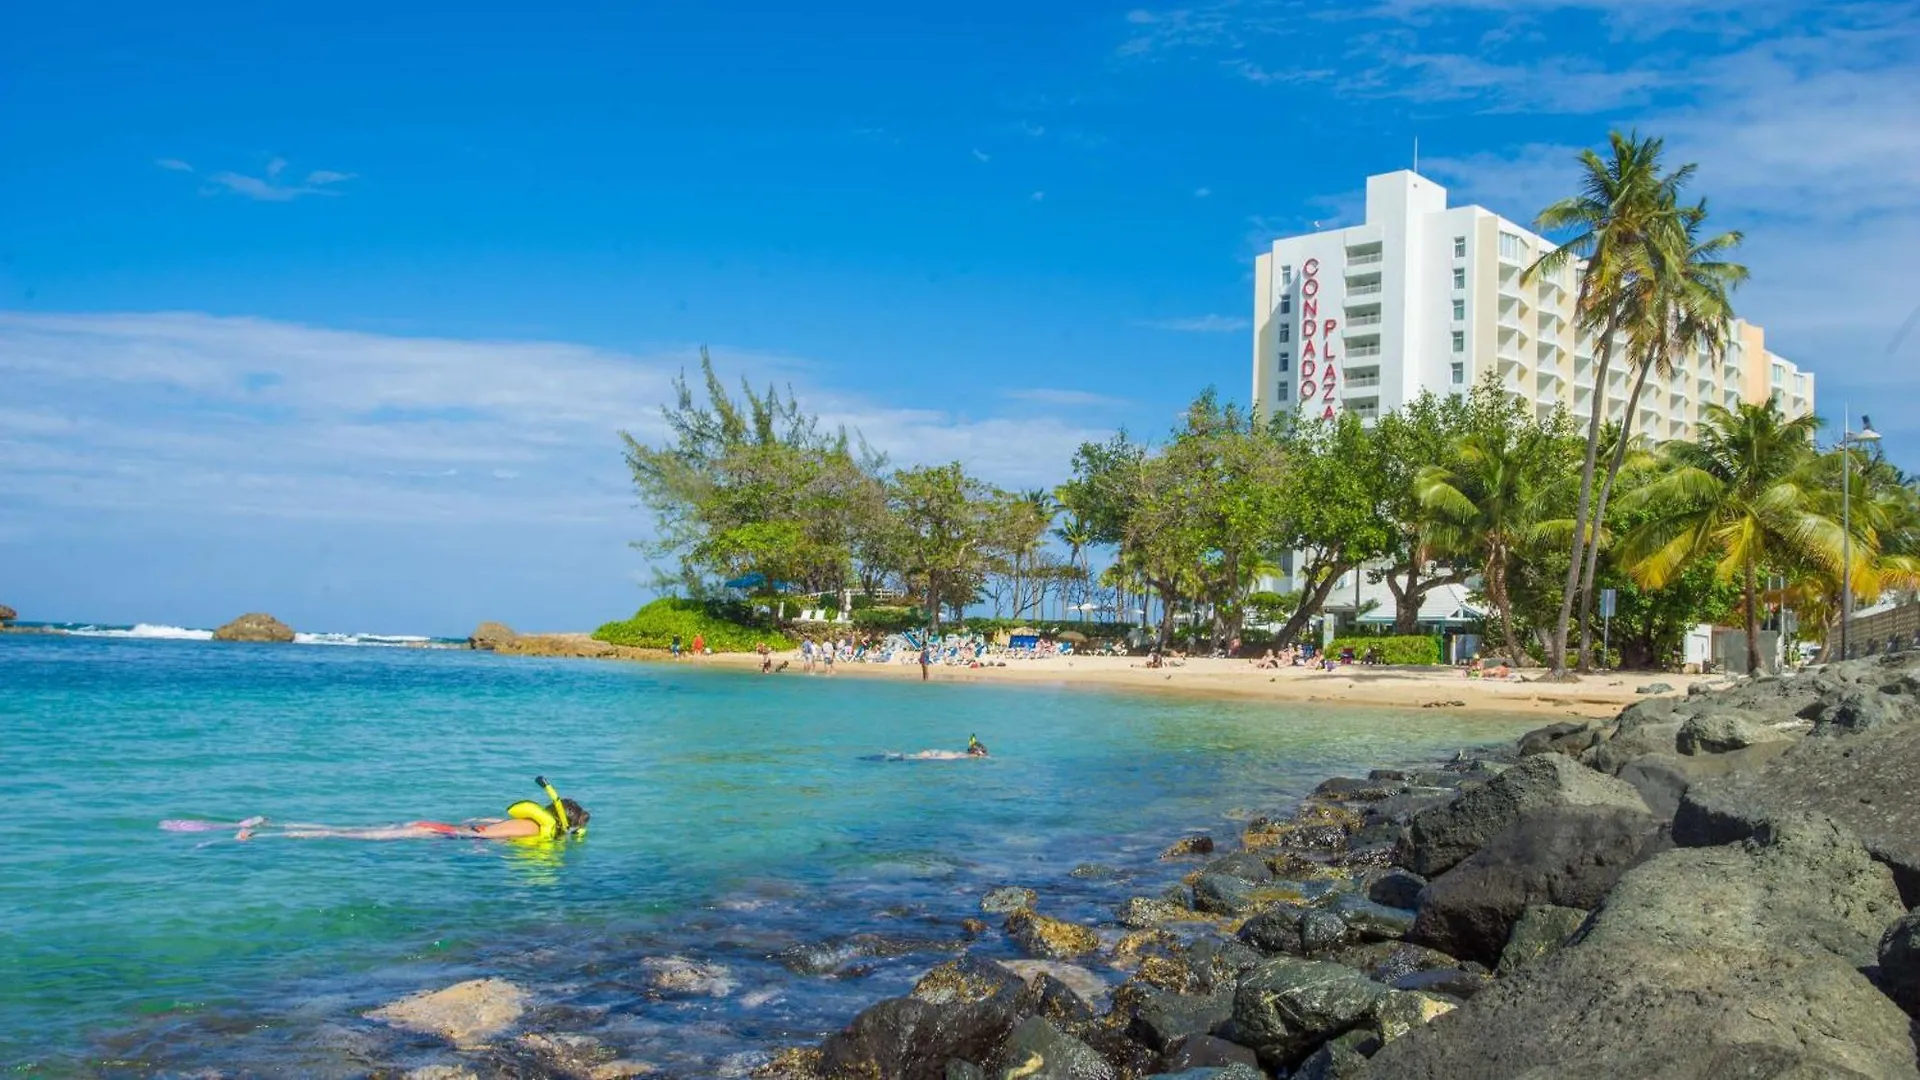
[1083, 982]
[1008, 899]
[256, 627]
[679, 975]
[466, 1014]
[1191, 845]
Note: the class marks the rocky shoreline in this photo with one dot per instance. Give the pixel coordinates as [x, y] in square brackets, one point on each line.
[1712, 886]
[1706, 887]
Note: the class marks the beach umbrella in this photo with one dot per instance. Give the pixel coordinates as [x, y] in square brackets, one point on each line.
[1074, 636]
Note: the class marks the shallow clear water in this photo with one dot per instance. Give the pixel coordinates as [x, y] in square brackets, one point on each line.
[733, 819]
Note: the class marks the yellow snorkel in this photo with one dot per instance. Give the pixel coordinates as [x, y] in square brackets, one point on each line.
[559, 810]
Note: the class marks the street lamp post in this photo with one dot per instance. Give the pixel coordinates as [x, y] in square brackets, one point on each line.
[1848, 440]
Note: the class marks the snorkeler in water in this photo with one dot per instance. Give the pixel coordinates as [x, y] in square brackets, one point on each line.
[526, 820]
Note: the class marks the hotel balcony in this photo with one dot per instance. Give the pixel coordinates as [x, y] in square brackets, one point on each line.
[1357, 352]
[1360, 264]
[1363, 290]
[1354, 322]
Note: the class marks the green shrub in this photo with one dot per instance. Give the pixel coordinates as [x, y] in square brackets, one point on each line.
[726, 628]
[887, 619]
[1416, 649]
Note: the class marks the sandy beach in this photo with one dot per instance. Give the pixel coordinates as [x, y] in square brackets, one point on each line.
[1592, 696]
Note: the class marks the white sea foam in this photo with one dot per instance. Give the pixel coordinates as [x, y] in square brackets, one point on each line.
[387, 640]
[143, 630]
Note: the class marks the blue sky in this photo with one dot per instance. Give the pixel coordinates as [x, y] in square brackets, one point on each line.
[334, 312]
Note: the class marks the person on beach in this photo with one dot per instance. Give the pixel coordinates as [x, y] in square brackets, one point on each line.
[806, 654]
[766, 657]
[826, 657]
[676, 646]
[926, 660]
[699, 645]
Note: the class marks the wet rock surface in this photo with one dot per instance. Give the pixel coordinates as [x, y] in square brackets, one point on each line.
[1438, 839]
[464, 1014]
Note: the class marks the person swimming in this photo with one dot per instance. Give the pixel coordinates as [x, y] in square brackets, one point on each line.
[557, 819]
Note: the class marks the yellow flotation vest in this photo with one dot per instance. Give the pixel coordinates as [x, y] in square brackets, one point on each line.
[527, 810]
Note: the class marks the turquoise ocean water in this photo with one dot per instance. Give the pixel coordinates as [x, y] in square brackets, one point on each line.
[734, 822]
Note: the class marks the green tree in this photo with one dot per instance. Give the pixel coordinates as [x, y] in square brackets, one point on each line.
[1624, 204]
[1494, 501]
[946, 520]
[753, 486]
[1077, 534]
[1746, 496]
[1427, 431]
[1330, 514]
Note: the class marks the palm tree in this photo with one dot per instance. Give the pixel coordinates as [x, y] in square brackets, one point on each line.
[1077, 534]
[1675, 302]
[1487, 506]
[1747, 494]
[1622, 203]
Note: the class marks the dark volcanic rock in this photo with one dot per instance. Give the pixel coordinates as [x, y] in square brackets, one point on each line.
[1163, 1018]
[1900, 962]
[914, 1039]
[1286, 1007]
[1244, 865]
[1462, 983]
[7, 614]
[1146, 912]
[1209, 1052]
[1036, 1050]
[1276, 929]
[1866, 781]
[1541, 929]
[1565, 738]
[1397, 888]
[1704, 963]
[1369, 921]
[1719, 731]
[1323, 930]
[1568, 856]
[1438, 839]
[1339, 1059]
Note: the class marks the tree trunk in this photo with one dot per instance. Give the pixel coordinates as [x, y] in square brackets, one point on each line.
[933, 601]
[1167, 597]
[1497, 587]
[1753, 621]
[1600, 521]
[1406, 602]
[1597, 409]
[1310, 602]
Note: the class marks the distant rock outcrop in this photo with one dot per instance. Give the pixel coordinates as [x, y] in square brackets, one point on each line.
[254, 626]
[7, 614]
[489, 636]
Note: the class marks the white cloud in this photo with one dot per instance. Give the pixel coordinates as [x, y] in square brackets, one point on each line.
[1038, 196]
[1070, 398]
[1201, 193]
[265, 188]
[1198, 324]
[981, 155]
[188, 415]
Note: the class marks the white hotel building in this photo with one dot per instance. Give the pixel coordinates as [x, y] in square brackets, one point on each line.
[1426, 297]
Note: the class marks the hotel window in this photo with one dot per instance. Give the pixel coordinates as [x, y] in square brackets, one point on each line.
[1459, 277]
[1459, 247]
[1286, 275]
[1459, 311]
[1286, 361]
[1512, 247]
[1284, 392]
[1286, 331]
[1459, 372]
[1459, 341]
[1286, 303]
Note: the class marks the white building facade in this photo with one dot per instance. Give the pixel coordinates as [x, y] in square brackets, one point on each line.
[1422, 296]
